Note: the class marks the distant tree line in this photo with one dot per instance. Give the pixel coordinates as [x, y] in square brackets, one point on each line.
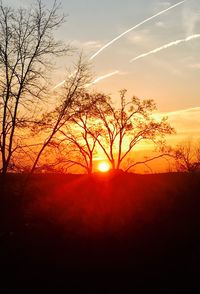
[187, 156]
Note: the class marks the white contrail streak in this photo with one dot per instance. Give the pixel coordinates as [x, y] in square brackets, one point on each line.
[62, 83]
[175, 43]
[188, 111]
[192, 109]
[59, 85]
[119, 37]
[136, 26]
[92, 83]
[97, 80]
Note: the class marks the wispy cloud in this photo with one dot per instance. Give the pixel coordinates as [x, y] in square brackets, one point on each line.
[143, 37]
[191, 17]
[183, 111]
[160, 24]
[185, 121]
[194, 66]
[87, 45]
[163, 4]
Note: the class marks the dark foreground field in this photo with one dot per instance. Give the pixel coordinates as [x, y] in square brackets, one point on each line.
[103, 233]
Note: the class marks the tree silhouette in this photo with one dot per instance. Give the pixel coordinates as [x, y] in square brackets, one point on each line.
[73, 140]
[71, 100]
[27, 45]
[187, 156]
[120, 129]
[80, 143]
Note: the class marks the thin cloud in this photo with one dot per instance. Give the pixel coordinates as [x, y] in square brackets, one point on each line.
[185, 121]
[194, 66]
[183, 111]
[191, 17]
[143, 37]
[87, 45]
[160, 24]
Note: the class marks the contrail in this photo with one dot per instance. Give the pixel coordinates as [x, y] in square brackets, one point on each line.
[119, 37]
[192, 109]
[102, 78]
[62, 83]
[175, 43]
[58, 85]
[94, 82]
[177, 112]
[131, 29]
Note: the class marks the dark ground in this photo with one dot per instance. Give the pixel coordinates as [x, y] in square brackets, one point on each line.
[100, 233]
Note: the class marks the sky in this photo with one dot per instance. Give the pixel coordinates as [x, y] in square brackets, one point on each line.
[170, 77]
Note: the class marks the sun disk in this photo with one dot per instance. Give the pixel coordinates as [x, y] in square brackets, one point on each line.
[103, 167]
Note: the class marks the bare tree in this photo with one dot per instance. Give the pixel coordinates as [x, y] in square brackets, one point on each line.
[72, 99]
[146, 160]
[79, 141]
[121, 129]
[27, 45]
[187, 156]
[72, 139]
[197, 152]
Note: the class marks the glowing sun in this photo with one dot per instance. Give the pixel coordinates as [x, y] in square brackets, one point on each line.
[103, 167]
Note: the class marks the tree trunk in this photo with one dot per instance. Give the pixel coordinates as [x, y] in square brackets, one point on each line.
[90, 165]
[4, 168]
[113, 163]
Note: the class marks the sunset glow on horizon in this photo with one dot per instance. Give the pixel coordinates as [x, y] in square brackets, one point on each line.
[150, 48]
[103, 166]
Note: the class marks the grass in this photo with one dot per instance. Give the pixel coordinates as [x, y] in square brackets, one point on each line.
[100, 232]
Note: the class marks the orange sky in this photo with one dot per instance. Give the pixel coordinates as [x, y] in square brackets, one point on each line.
[170, 76]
